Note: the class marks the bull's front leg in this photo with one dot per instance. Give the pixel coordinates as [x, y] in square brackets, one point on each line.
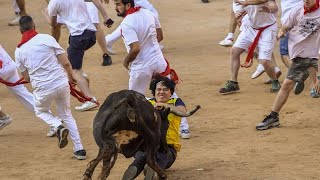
[92, 165]
[109, 160]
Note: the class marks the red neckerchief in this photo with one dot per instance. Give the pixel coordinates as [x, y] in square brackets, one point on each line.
[313, 8]
[0, 64]
[26, 36]
[132, 10]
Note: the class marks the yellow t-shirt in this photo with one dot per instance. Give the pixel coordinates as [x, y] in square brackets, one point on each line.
[174, 126]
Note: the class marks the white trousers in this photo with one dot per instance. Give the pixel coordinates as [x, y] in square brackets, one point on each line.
[10, 74]
[61, 96]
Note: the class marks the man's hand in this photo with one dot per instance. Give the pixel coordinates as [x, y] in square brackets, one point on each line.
[241, 2]
[265, 9]
[126, 64]
[72, 80]
[281, 33]
[161, 105]
[105, 1]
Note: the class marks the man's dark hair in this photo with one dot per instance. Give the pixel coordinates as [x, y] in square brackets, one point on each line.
[26, 23]
[164, 80]
[128, 1]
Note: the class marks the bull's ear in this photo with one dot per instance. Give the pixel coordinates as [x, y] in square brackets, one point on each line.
[131, 114]
[131, 99]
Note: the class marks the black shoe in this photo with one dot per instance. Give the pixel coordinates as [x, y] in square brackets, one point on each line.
[130, 173]
[299, 86]
[230, 87]
[268, 122]
[275, 86]
[80, 155]
[205, 1]
[62, 135]
[106, 60]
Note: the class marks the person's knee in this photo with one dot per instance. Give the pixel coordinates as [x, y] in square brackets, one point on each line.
[236, 52]
[287, 85]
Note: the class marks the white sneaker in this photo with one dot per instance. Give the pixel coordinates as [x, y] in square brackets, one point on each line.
[5, 122]
[226, 42]
[15, 21]
[185, 134]
[52, 132]
[258, 72]
[86, 106]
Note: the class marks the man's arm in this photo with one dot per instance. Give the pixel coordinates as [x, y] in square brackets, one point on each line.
[251, 2]
[55, 28]
[134, 51]
[25, 75]
[176, 108]
[64, 61]
[159, 34]
[101, 9]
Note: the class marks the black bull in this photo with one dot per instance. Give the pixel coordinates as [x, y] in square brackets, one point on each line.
[126, 123]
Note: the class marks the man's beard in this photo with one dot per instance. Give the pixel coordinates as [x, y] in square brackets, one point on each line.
[120, 14]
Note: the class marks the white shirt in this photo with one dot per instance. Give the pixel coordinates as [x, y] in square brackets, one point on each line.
[73, 13]
[39, 57]
[260, 19]
[287, 5]
[304, 36]
[141, 27]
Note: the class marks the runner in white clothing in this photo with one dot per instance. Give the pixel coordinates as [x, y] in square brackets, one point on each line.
[116, 34]
[39, 58]
[260, 33]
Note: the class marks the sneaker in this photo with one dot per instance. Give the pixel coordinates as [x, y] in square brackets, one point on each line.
[110, 49]
[314, 94]
[149, 173]
[275, 86]
[299, 86]
[278, 74]
[5, 121]
[258, 72]
[230, 87]
[51, 132]
[106, 60]
[62, 134]
[15, 21]
[185, 134]
[205, 1]
[130, 173]
[228, 41]
[268, 122]
[86, 106]
[80, 155]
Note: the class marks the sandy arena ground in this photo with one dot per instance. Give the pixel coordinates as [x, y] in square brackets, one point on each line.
[224, 143]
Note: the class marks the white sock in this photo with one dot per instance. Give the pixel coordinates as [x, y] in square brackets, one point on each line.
[230, 35]
[277, 69]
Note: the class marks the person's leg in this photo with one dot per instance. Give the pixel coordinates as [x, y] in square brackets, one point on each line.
[228, 40]
[136, 167]
[64, 113]
[139, 80]
[15, 21]
[22, 7]
[270, 70]
[313, 77]
[21, 92]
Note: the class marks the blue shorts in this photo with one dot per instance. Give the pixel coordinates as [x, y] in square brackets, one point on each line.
[78, 45]
[284, 45]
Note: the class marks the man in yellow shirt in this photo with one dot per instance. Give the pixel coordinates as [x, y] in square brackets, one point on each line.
[162, 89]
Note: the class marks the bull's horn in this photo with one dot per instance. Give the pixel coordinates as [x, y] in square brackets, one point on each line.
[184, 114]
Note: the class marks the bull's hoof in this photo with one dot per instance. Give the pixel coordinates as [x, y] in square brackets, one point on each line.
[164, 177]
[86, 178]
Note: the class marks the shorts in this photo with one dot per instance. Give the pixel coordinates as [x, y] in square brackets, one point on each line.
[78, 45]
[298, 70]
[266, 41]
[140, 79]
[284, 45]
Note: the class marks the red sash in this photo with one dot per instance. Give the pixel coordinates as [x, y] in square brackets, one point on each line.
[249, 60]
[173, 75]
